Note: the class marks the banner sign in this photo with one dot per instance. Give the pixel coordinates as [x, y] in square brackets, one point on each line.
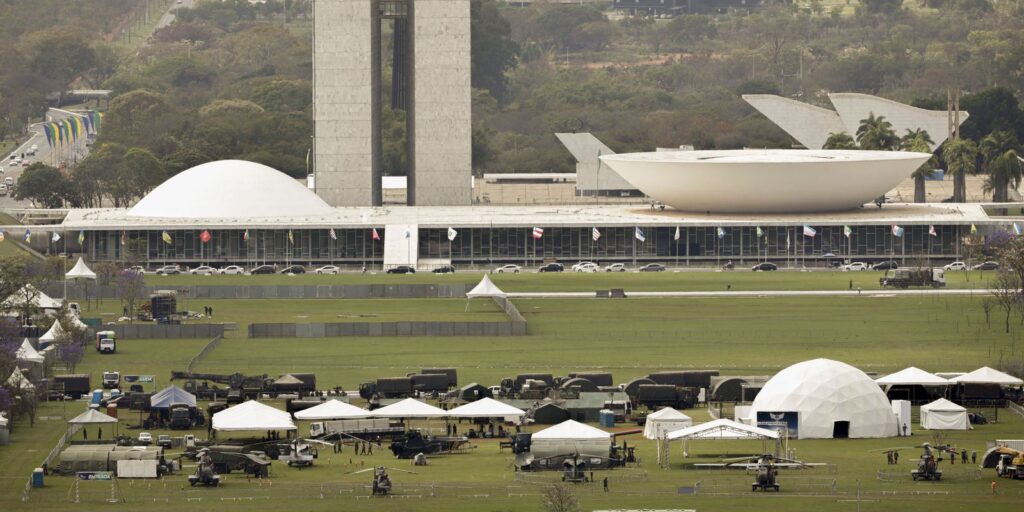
[780, 421]
[137, 378]
[95, 475]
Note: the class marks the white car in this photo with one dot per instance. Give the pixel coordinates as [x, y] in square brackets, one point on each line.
[145, 438]
[616, 267]
[232, 270]
[856, 266]
[511, 269]
[588, 268]
[9, 181]
[167, 270]
[579, 266]
[328, 270]
[203, 270]
[138, 269]
[956, 265]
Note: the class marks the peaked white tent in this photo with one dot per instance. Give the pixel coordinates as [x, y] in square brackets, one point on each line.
[487, 408]
[910, 377]
[944, 415]
[252, 415]
[664, 421]
[80, 271]
[722, 429]
[571, 430]
[485, 289]
[17, 380]
[171, 395]
[27, 353]
[332, 410]
[29, 293]
[55, 333]
[986, 375]
[409, 408]
[92, 417]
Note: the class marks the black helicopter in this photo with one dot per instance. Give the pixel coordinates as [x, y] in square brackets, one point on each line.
[415, 443]
[381, 481]
[766, 469]
[204, 475]
[928, 465]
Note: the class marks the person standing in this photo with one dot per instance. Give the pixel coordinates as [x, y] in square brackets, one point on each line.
[974, 456]
[605, 484]
[963, 456]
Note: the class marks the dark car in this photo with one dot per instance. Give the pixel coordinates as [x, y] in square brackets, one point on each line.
[988, 265]
[447, 269]
[262, 269]
[294, 269]
[765, 266]
[885, 265]
[552, 267]
[652, 267]
[402, 269]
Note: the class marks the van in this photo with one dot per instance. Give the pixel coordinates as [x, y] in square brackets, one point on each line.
[9, 181]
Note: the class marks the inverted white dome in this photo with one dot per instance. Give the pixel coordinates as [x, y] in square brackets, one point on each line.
[822, 392]
[230, 189]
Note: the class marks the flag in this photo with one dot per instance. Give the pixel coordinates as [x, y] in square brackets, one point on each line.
[639, 234]
[81, 237]
[291, 238]
[787, 239]
[55, 238]
[375, 235]
[676, 236]
[537, 233]
[334, 236]
[452, 234]
[1016, 229]
[760, 232]
[124, 237]
[847, 232]
[28, 236]
[595, 234]
[167, 237]
[245, 236]
[974, 229]
[931, 230]
[897, 231]
[721, 233]
[809, 231]
[205, 236]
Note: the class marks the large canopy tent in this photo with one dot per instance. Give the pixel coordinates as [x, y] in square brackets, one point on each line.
[332, 410]
[986, 375]
[30, 294]
[487, 408]
[410, 408]
[171, 395]
[17, 380]
[944, 415]
[570, 430]
[660, 423]
[29, 354]
[912, 384]
[721, 430]
[252, 415]
[93, 417]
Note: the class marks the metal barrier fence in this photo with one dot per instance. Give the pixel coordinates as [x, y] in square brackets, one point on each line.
[164, 331]
[203, 353]
[50, 457]
[325, 291]
[386, 329]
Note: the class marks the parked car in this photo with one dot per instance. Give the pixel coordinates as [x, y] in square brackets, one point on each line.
[652, 267]
[988, 265]
[765, 266]
[577, 267]
[616, 267]
[3, 189]
[956, 265]
[9, 181]
[138, 269]
[401, 269]
[164, 440]
[262, 269]
[512, 269]
[293, 269]
[145, 438]
[203, 270]
[885, 265]
[327, 270]
[856, 266]
[590, 267]
[447, 269]
[552, 267]
[168, 270]
[232, 270]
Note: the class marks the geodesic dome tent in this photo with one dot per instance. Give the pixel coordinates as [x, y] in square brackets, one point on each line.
[822, 398]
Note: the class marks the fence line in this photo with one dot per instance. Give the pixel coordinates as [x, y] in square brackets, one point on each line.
[54, 453]
[204, 352]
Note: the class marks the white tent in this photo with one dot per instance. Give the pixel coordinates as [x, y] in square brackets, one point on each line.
[826, 399]
[487, 408]
[986, 375]
[910, 377]
[92, 417]
[409, 408]
[485, 289]
[664, 421]
[332, 410]
[722, 429]
[28, 353]
[944, 415]
[80, 271]
[17, 380]
[55, 333]
[29, 293]
[570, 430]
[171, 395]
[77, 323]
[252, 415]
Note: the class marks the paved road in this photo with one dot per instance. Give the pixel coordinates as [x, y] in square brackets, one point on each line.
[43, 154]
[168, 16]
[764, 293]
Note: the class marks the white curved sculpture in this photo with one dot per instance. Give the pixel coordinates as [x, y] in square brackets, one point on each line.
[809, 124]
[853, 107]
[766, 181]
[230, 189]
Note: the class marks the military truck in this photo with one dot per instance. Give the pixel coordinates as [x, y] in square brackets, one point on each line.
[905, 277]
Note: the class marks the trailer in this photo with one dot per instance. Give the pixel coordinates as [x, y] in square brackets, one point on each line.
[361, 428]
[905, 277]
[74, 385]
[654, 396]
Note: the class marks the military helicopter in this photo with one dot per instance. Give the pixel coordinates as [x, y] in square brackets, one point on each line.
[928, 465]
[766, 469]
[299, 453]
[415, 443]
[204, 474]
[381, 480]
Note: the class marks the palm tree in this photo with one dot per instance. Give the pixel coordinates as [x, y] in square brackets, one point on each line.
[1004, 171]
[875, 133]
[841, 140]
[997, 144]
[919, 141]
[993, 147]
[961, 156]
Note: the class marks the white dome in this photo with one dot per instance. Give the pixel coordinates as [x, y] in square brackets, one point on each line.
[230, 189]
[823, 392]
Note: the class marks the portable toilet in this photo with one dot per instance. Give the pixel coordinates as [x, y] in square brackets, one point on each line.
[37, 477]
[606, 417]
[112, 410]
[97, 396]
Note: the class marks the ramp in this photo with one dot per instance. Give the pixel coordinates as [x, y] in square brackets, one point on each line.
[401, 243]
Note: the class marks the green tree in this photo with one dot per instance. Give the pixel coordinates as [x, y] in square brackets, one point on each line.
[142, 170]
[494, 53]
[284, 95]
[882, 6]
[841, 140]
[61, 56]
[996, 144]
[1004, 171]
[44, 185]
[961, 156]
[920, 142]
[875, 133]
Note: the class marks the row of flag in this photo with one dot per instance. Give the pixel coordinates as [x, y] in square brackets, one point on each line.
[70, 129]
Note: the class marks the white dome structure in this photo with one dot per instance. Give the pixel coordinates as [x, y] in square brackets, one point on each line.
[830, 398]
[230, 189]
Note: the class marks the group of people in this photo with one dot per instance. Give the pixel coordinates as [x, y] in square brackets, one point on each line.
[208, 311]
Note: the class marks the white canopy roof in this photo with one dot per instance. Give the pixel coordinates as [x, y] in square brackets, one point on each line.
[77, 322]
[55, 333]
[171, 395]
[409, 408]
[986, 375]
[912, 376]
[17, 380]
[943, 405]
[28, 353]
[252, 415]
[571, 430]
[723, 429]
[664, 421]
[332, 410]
[80, 271]
[485, 289]
[486, 408]
[90, 417]
[29, 293]
[944, 415]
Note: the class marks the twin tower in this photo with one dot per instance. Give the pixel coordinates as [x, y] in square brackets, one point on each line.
[430, 81]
